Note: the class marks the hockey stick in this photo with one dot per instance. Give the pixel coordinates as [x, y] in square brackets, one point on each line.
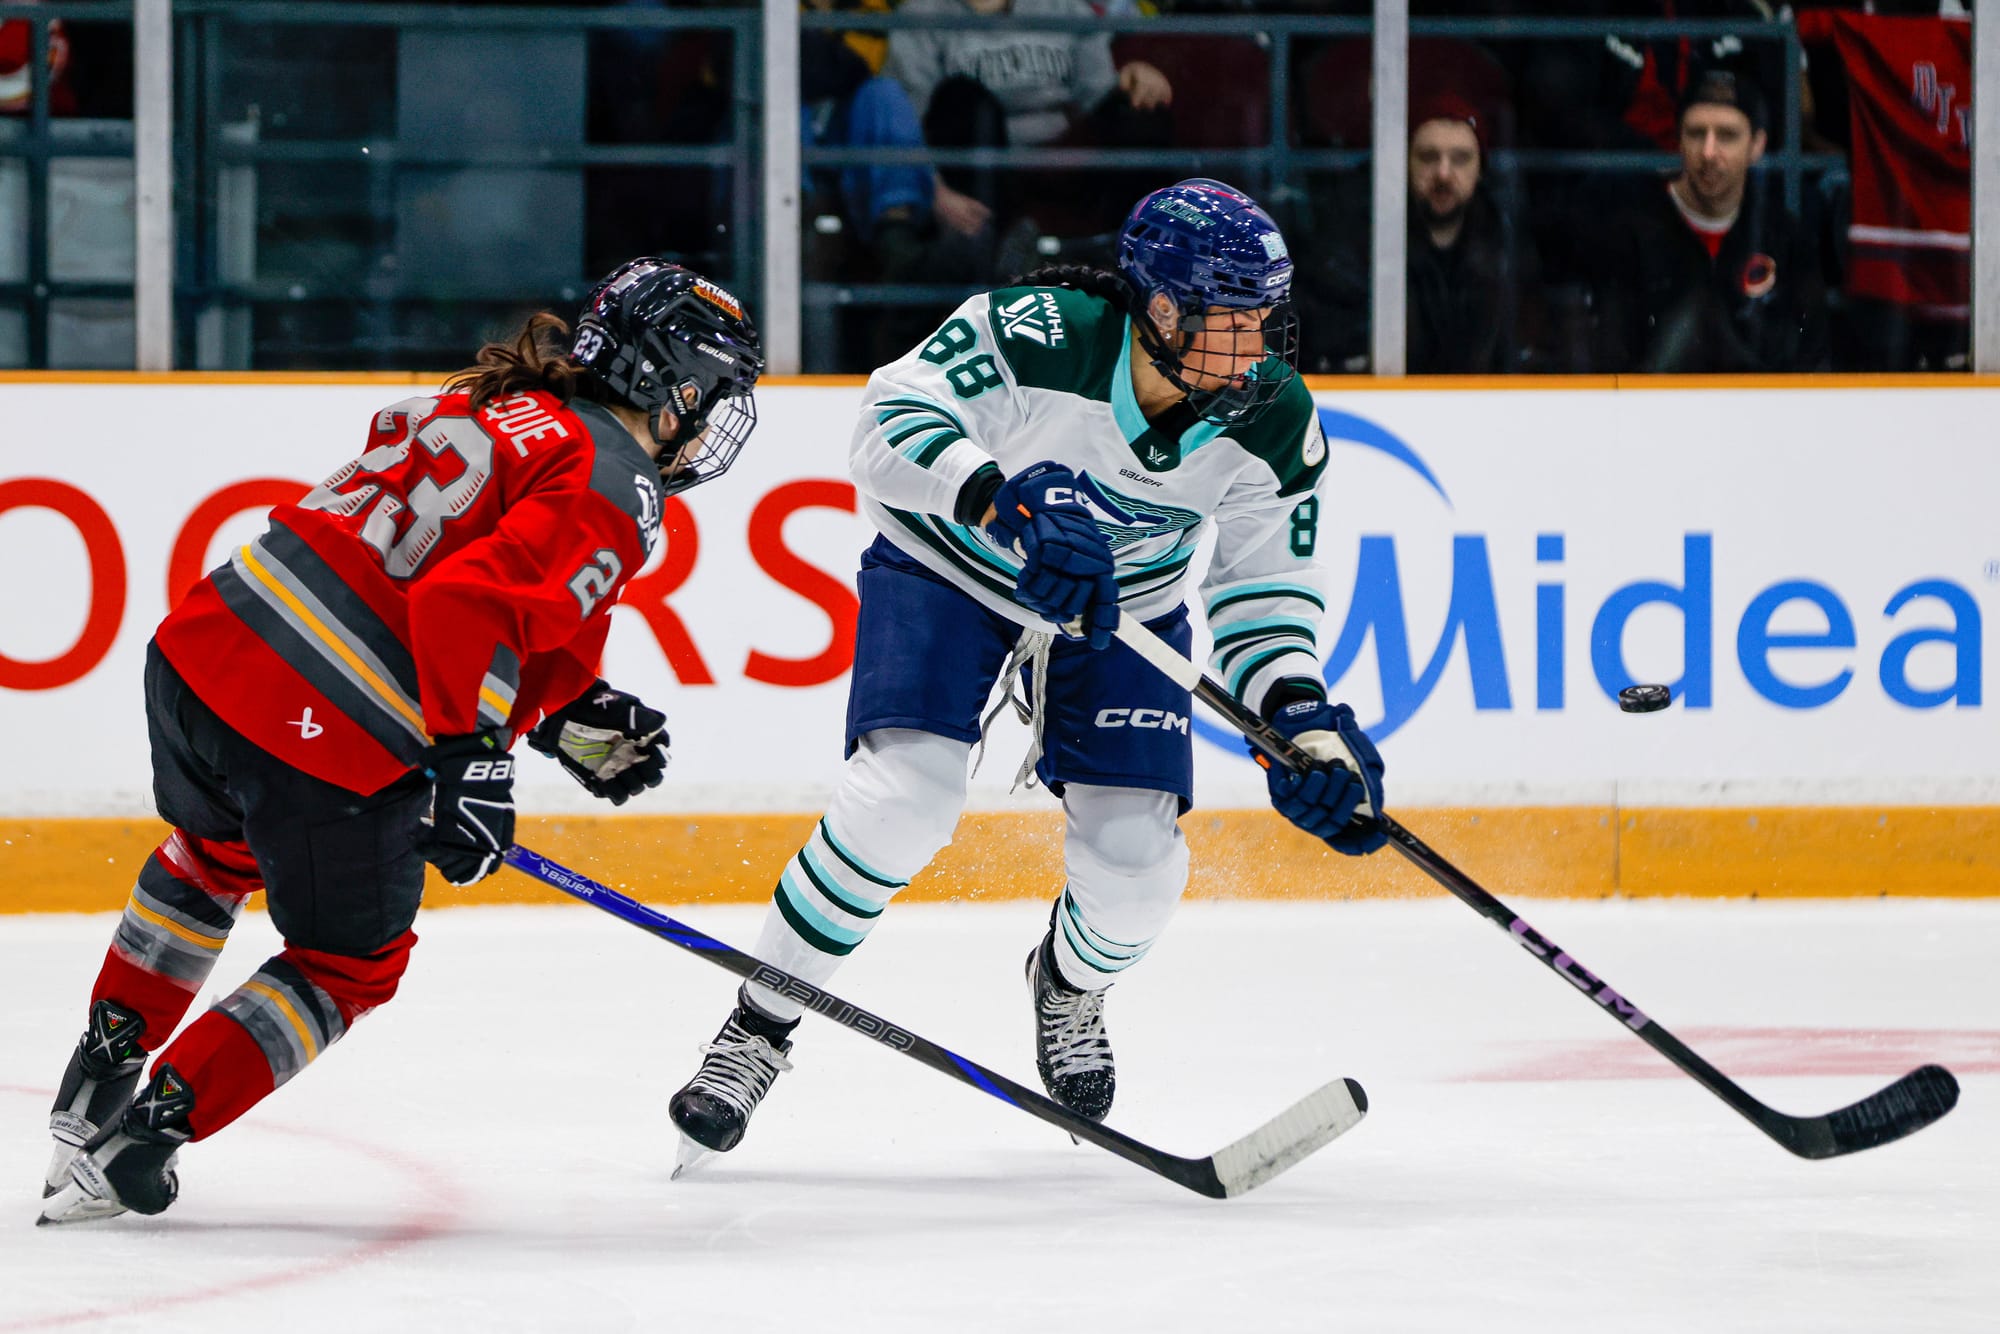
[1906, 1106]
[1286, 1139]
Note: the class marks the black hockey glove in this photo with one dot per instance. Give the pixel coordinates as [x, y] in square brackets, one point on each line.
[608, 741]
[471, 824]
[1337, 798]
[1066, 568]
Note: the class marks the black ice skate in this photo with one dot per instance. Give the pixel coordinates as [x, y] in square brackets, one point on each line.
[713, 1109]
[1071, 1048]
[97, 1086]
[129, 1164]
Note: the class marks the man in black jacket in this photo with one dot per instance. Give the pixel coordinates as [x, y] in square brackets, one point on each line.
[1707, 272]
[1474, 285]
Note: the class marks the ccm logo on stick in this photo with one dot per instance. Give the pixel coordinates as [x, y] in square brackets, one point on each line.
[1165, 719]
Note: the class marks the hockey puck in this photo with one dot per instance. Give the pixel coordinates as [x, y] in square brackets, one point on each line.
[1644, 699]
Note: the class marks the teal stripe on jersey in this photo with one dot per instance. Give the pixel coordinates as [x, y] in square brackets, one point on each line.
[854, 863]
[890, 408]
[1252, 592]
[1262, 626]
[917, 426]
[826, 884]
[1236, 652]
[927, 453]
[1250, 668]
[921, 529]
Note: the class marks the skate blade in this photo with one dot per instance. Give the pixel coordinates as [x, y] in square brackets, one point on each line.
[57, 1176]
[74, 1204]
[689, 1155]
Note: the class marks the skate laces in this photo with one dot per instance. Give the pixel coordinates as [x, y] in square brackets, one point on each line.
[738, 1067]
[1073, 1031]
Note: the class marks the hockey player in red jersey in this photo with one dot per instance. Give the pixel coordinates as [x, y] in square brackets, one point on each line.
[333, 706]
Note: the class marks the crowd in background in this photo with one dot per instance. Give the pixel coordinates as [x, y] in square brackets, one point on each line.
[1517, 262]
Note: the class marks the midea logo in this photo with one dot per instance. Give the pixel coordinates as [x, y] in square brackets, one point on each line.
[1376, 613]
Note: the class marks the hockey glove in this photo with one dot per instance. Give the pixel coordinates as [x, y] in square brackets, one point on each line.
[1066, 568]
[471, 824]
[1337, 798]
[608, 741]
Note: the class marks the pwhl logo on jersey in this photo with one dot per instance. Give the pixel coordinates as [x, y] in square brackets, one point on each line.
[1937, 612]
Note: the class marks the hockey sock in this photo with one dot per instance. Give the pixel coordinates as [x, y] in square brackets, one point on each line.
[1127, 865]
[188, 896]
[297, 1005]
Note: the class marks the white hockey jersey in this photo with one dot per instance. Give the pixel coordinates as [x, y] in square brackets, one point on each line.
[1027, 373]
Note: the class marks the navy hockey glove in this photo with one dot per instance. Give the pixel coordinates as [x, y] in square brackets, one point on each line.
[1336, 799]
[471, 824]
[1066, 569]
[608, 741]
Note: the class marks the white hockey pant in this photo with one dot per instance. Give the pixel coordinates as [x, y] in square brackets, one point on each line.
[899, 800]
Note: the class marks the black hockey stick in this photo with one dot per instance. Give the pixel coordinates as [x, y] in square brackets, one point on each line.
[1906, 1106]
[1286, 1139]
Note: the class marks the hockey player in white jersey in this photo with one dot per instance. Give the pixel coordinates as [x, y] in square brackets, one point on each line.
[1051, 457]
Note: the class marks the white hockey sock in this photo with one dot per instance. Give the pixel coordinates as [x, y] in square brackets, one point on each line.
[899, 800]
[1127, 866]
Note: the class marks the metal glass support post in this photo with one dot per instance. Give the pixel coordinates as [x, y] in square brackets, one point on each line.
[779, 320]
[153, 182]
[1985, 189]
[1390, 204]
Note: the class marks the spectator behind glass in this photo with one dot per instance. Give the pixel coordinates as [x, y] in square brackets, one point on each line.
[1707, 272]
[1473, 285]
[17, 84]
[1009, 85]
[846, 101]
[1907, 124]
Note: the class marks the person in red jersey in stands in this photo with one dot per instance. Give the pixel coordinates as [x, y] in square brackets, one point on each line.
[333, 706]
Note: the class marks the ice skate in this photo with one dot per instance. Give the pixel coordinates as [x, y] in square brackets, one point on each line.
[129, 1163]
[713, 1109]
[103, 1071]
[1072, 1051]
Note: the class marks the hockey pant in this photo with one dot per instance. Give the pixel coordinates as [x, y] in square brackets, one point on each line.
[899, 800]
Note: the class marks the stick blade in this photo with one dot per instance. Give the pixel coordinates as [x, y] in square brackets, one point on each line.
[1903, 1108]
[1290, 1137]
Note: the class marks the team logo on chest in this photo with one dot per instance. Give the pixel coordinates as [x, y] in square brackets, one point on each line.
[1035, 317]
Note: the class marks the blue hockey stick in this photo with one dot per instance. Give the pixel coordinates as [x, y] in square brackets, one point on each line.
[1266, 1151]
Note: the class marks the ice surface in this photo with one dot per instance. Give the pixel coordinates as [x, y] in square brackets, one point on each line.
[491, 1151]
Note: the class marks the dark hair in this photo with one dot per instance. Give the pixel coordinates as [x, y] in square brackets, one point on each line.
[537, 357]
[1084, 278]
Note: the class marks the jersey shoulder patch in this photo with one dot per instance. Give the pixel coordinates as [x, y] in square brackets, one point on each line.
[1057, 338]
[1287, 437]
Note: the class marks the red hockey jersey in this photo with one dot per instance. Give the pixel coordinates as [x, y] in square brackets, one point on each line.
[1910, 96]
[459, 575]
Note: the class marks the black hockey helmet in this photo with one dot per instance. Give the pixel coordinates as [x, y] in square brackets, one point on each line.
[662, 339]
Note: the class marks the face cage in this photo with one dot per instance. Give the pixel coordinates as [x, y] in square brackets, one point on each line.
[728, 424]
[1232, 404]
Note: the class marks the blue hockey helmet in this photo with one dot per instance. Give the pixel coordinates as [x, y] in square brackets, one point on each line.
[1208, 245]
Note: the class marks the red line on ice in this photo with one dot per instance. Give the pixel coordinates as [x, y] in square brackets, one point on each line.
[442, 1203]
[1757, 1051]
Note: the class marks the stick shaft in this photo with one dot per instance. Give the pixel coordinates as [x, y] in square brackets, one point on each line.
[1930, 1096]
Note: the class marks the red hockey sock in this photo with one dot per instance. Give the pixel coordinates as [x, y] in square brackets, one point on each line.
[296, 1006]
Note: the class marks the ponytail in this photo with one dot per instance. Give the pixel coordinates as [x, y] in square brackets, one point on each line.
[1083, 278]
[537, 358]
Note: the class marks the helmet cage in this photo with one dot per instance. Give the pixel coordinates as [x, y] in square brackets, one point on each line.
[1205, 245]
[664, 340]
